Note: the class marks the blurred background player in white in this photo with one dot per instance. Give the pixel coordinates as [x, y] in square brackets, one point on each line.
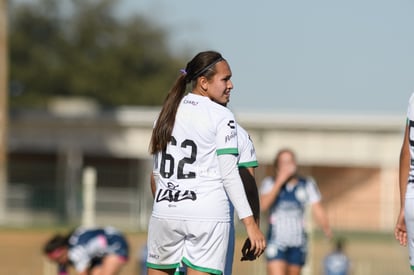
[194, 144]
[337, 262]
[404, 229]
[286, 195]
[91, 251]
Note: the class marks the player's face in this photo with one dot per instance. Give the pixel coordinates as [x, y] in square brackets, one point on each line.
[287, 163]
[220, 85]
[59, 256]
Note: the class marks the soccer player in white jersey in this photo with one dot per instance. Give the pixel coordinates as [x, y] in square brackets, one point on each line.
[404, 229]
[194, 144]
[247, 162]
[286, 196]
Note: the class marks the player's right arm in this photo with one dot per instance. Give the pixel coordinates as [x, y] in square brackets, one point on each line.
[267, 198]
[250, 188]
[400, 231]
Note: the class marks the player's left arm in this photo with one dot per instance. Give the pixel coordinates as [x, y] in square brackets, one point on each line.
[318, 210]
[321, 218]
[400, 231]
[250, 187]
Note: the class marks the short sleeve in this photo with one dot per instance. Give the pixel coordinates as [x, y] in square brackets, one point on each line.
[410, 110]
[266, 185]
[226, 137]
[313, 191]
[247, 153]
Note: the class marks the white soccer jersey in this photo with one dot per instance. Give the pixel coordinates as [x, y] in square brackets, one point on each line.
[247, 153]
[187, 174]
[410, 117]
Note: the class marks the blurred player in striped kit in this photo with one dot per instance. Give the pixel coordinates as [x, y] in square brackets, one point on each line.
[91, 251]
[286, 196]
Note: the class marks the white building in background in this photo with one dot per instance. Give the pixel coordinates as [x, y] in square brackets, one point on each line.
[354, 159]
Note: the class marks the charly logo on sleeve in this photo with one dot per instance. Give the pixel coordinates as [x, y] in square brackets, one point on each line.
[231, 124]
[172, 194]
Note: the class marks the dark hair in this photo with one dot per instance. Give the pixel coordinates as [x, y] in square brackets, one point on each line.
[55, 242]
[203, 64]
[339, 244]
[279, 153]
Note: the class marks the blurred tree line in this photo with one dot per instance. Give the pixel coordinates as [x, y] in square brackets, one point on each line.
[81, 48]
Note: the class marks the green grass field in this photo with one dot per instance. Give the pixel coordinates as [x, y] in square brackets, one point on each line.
[370, 253]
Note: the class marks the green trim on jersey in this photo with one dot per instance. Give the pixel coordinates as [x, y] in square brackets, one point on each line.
[249, 164]
[165, 266]
[202, 269]
[412, 267]
[227, 151]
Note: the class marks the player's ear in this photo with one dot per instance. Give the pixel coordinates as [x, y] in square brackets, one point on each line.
[203, 82]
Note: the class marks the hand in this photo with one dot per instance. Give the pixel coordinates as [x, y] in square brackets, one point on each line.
[400, 231]
[282, 180]
[247, 252]
[285, 175]
[257, 240]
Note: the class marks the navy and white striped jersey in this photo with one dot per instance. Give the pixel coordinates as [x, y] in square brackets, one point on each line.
[89, 244]
[286, 215]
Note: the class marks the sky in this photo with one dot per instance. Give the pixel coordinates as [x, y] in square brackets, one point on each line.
[320, 56]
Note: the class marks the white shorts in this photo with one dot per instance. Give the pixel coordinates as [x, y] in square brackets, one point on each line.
[409, 222]
[198, 244]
